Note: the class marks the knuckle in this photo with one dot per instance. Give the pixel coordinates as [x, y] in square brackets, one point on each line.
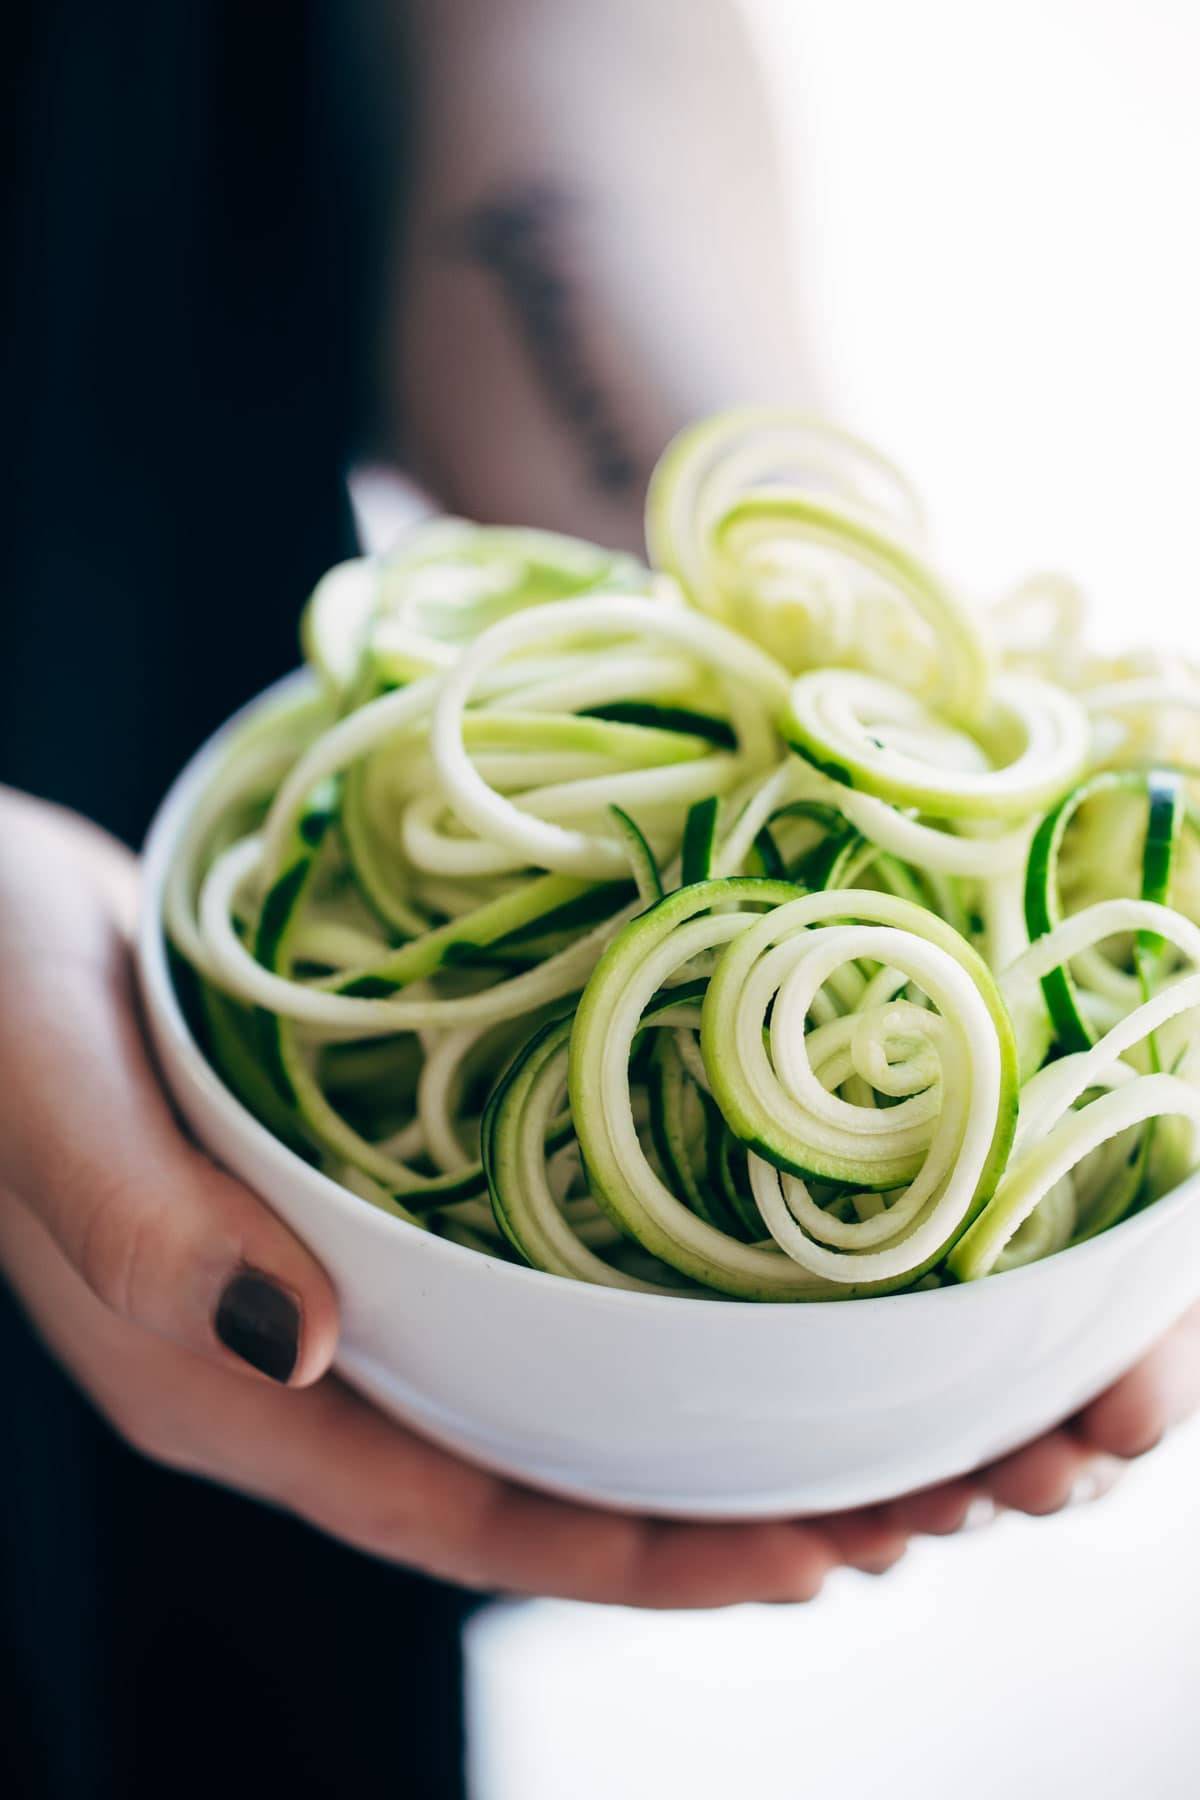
[118, 1240]
[1140, 1438]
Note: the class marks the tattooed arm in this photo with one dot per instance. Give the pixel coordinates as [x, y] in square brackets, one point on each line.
[598, 252]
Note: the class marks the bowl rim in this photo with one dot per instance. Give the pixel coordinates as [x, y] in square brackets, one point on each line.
[165, 1013]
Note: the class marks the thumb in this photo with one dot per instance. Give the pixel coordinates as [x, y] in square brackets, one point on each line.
[87, 1140]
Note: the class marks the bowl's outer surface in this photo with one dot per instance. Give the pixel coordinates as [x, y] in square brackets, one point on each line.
[678, 1406]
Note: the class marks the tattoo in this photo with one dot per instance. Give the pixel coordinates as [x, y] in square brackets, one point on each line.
[513, 236]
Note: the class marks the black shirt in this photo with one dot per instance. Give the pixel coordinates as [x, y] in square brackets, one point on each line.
[200, 208]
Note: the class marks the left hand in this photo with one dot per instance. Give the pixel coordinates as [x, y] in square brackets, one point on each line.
[1082, 1458]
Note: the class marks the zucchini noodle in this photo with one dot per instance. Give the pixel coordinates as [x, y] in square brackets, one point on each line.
[811, 542]
[763, 923]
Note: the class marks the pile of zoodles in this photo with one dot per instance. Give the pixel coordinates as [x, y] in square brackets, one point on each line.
[765, 922]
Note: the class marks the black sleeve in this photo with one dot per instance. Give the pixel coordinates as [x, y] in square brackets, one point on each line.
[197, 218]
[193, 232]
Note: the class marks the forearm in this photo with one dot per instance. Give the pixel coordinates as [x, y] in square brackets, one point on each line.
[598, 252]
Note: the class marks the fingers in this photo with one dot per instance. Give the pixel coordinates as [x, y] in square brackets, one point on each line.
[1047, 1475]
[871, 1541]
[161, 1236]
[1082, 1460]
[1164, 1388]
[1057, 1470]
[940, 1511]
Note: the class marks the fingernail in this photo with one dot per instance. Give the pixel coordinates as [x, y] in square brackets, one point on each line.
[260, 1322]
[1093, 1484]
[982, 1511]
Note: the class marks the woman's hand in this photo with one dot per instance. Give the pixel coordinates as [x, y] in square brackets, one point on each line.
[1082, 1458]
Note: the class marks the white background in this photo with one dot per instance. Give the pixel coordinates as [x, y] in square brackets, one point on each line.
[1036, 1658]
[997, 239]
[997, 231]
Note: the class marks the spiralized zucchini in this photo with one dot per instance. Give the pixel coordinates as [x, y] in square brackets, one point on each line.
[763, 923]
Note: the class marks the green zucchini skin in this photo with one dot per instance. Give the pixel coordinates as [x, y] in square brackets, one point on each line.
[699, 836]
[283, 1060]
[684, 719]
[1166, 811]
[644, 863]
[660, 926]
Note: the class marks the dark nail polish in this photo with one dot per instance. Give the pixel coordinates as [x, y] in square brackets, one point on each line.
[260, 1322]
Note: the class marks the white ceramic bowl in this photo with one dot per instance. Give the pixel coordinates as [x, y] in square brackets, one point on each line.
[682, 1406]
